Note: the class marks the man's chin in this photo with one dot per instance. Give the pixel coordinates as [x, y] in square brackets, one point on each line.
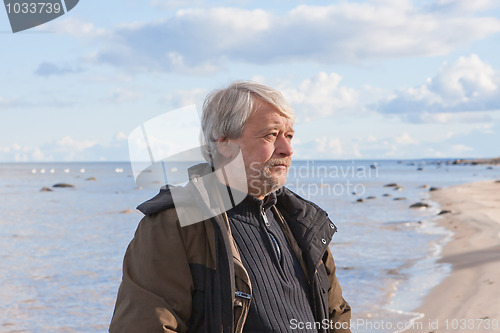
[277, 182]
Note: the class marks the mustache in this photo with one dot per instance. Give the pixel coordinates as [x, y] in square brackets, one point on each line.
[280, 161]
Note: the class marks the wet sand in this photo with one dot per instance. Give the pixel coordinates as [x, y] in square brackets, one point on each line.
[468, 300]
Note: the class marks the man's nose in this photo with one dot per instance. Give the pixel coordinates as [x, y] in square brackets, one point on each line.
[283, 146]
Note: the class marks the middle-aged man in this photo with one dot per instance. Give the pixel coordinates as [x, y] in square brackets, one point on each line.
[262, 266]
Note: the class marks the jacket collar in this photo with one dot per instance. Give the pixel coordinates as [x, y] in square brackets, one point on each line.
[309, 224]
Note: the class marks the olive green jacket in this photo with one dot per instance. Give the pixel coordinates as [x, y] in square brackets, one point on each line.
[191, 278]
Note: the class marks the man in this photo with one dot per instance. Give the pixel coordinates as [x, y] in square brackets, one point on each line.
[262, 266]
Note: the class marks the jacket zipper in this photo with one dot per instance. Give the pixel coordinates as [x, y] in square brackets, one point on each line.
[243, 295]
[264, 216]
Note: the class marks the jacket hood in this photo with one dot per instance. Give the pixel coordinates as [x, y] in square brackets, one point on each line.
[163, 200]
[183, 194]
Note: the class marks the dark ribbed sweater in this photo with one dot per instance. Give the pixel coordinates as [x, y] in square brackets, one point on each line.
[280, 290]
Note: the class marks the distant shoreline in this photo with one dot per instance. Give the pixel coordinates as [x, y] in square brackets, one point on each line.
[476, 161]
[446, 160]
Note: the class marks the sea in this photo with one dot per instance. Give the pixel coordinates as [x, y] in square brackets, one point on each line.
[61, 250]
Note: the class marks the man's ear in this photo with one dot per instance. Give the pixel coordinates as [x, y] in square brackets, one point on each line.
[224, 147]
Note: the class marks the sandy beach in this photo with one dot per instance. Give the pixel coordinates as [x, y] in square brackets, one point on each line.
[468, 300]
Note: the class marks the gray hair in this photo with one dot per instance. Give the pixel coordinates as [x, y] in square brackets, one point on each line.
[225, 111]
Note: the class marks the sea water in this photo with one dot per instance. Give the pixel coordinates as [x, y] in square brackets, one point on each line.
[61, 251]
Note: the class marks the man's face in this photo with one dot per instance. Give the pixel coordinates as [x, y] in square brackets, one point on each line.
[266, 149]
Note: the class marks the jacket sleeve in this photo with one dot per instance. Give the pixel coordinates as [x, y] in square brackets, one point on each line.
[155, 292]
[340, 311]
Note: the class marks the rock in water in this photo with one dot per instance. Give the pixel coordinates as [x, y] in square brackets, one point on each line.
[45, 189]
[420, 205]
[63, 185]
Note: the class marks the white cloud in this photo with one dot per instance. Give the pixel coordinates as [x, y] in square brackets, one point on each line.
[331, 146]
[405, 139]
[161, 148]
[38, 155]
[321, 95]
[68, 149]
[18, 153]
[120, 136]
[181, 98]
[466, 86]
[461, 148]
[68, 142]
[476, 142]
[465, 80]
[205, 40]
[6, 103]
[121, 95]
[462, 6]
[76, 27]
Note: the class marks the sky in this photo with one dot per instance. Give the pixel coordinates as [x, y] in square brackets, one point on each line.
[368, 79]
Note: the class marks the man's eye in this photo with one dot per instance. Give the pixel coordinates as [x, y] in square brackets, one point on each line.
[272, 135]
[289, 136]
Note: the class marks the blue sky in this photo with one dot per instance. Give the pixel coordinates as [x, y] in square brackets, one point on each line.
[371, 79]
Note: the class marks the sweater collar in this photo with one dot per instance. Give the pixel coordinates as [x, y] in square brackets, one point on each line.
[250, 203]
